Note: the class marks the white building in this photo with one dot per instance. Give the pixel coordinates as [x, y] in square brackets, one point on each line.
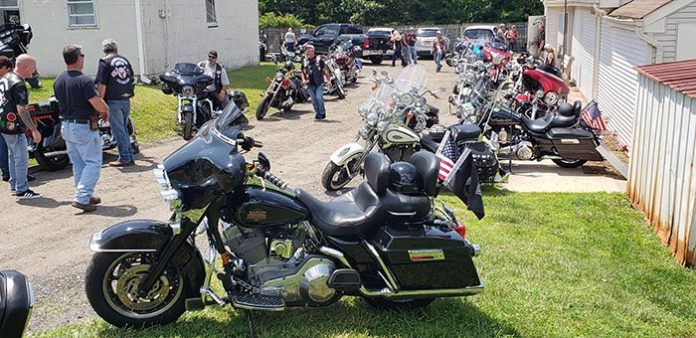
[152, 34]
[608, 38]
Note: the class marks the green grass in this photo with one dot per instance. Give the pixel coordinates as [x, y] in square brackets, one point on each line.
[555, 265]
[154, 113]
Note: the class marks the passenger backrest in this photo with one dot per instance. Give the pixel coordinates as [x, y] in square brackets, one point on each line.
[427, 165]
[377, 172]
[577, 108]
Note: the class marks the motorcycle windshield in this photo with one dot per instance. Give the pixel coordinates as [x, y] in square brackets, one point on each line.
[187, 69]
[400, 91]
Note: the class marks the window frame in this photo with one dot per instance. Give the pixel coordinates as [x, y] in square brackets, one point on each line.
[69, 15]
[214, 23]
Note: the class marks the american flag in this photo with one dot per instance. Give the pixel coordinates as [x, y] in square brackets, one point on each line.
[448, 154]
[593, 117]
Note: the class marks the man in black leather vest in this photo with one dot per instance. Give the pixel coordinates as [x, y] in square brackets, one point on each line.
[215, 70]
[14, 118]
[115, 84]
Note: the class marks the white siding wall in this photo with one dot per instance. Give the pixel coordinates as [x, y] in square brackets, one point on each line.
[183, 35]
[48, 18]
[620, 51]
[668, 39]
[583, 50]
[553, 25]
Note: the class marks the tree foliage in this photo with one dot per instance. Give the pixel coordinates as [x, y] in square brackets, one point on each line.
[374, 12]
[272, 19]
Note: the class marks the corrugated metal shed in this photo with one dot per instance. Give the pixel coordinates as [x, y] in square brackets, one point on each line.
[680, 76]
[638, 9]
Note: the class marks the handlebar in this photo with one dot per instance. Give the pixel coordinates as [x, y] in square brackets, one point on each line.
[274, 179]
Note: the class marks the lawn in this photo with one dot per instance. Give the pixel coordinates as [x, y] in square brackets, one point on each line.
[154, 113]
[555, 265]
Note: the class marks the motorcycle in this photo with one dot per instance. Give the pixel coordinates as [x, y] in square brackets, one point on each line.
[538, 88]
[14, 42]
[284, 90]
[394, 115]
[51, 153]
[345, 54]
[337, 79]
[16, 303]
[390, 244]
[196, 104]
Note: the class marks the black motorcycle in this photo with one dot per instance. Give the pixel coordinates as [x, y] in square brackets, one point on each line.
[16, 303]
[385, 241]
[51, 153]
[14, 40]
[285, 89]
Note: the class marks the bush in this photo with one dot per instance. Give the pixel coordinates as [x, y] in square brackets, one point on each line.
[274, 20]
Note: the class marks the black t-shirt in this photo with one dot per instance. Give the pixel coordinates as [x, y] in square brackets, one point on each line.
[116, 73]
[13, 92]
[73, 91]
[411, 39]
[314, 70]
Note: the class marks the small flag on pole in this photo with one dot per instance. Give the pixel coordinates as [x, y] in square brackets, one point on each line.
[448, 154]
[593, 117]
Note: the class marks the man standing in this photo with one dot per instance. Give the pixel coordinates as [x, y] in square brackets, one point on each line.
[5, 67]
[14, 117]
[537, 45]
[79, 103]
[115, 84]
[500, 34]
[398, 48]
[439, 47]
[511, 36]
[313, 73]
[219, 87]
[289, 40]
[411, 43]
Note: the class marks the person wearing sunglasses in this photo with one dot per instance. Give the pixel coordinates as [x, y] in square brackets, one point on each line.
[218, 88]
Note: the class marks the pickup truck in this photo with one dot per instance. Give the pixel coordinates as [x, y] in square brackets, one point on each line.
[375, 45]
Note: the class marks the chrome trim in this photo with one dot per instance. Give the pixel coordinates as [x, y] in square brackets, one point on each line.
[335, 254]
[176, 227]
[477, 250]
[206, 292]
[392, 281]
[245, 307]
[219, 135]
[393, 213]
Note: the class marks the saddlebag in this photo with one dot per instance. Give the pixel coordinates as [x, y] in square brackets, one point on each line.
[426, 257]
[574, 144]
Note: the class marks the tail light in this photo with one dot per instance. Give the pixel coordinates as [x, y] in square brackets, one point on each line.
[460, 229]
[31, 109]
[285, 84]
[366, 43]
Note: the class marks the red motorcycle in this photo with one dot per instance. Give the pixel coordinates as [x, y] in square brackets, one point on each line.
[539, 88]
[496, 53]
[345, 54]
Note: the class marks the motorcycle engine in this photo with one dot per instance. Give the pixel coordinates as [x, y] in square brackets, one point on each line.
[524, 150]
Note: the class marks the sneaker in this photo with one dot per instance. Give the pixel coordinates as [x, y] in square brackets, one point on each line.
[27, 195]
[6, 179]
[94, 200]
[84, 207]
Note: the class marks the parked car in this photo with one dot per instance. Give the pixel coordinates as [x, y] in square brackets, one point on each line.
[480, 32]
[325, 36]
[425, 38]
[377, 45]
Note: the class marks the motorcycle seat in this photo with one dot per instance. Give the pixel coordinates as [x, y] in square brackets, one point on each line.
[565, 116]
[430, 143]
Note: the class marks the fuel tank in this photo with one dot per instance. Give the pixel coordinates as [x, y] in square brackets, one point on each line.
[399, 135]
[504, 116]
[254, 207]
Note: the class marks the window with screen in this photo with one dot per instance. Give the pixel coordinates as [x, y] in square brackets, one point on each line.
[81, 13]
[10, 11]
[210, 15]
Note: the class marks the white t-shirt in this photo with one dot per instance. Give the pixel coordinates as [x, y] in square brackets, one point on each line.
[210, 70]
[290, 37]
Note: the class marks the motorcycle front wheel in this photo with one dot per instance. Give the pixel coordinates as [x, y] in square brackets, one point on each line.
[340, 91]
[263, 107]
[187, 125]
[336, 177]
[112, 285]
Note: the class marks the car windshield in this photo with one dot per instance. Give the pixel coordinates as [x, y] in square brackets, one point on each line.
[427, 33]
[231, 122]
[379, 32]
[478, 33]
[187, 69]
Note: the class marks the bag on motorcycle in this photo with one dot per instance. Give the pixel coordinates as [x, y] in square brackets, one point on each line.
[16, 302]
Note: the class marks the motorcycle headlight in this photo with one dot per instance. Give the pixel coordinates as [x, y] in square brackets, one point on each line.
[469, 78]
[381, 126]
[420, 102]
[405, 99]
[363, 111]
[187, 91]
[551, 98]
[372, 119]
[497, 58]
[540, 94]
[363, 132]
[169, 194]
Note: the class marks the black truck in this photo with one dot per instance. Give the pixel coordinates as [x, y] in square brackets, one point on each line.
[374, 46]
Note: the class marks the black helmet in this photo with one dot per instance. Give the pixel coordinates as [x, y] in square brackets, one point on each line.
[289, 65]
[404, 178]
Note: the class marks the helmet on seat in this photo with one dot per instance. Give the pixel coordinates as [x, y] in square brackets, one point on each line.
[405, 179]
[289, 65]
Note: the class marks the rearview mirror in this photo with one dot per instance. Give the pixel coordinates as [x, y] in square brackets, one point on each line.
[264, 162]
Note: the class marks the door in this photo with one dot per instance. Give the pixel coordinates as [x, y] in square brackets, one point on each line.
[584, 51]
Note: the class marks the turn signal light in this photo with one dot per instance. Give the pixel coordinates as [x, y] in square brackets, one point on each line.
[460, 229]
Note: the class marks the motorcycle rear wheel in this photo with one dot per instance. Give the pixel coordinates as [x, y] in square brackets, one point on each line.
[112, 283]
[563, 163]
[341, 92]
[335, 177]
[53, 163]
[398, 305]
[187, 124]
[263, 107]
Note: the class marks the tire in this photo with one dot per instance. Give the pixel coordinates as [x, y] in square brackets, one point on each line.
[397, 305]
[187, 125]
[135, 147]
[376, 60]
[263, 107]
[569, 163]
[341, 92]
[53, 163]
[111, 279]
[328, 180]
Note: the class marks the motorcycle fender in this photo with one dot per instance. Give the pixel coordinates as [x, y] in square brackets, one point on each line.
[17, 301]
[151, 236]
[187, 108]
[345, 153]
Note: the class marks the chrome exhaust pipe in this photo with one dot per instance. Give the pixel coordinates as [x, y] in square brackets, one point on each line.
[56, 153]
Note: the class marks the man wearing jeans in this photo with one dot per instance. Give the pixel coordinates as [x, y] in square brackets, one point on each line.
[14, 118]
[5, 67]
[439, 47]
[79, 103]
[313, 73]
[411, 43]
[115, 86]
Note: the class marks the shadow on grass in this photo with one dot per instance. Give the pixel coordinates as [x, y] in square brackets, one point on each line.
[443, 318]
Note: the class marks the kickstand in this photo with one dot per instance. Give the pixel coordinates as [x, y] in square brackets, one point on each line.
[250, 323]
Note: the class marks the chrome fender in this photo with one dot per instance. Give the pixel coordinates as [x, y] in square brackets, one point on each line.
[343, 154]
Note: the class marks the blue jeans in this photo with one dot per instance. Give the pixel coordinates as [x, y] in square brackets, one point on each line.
[438, 60]
[316, 92]
[414, 54]
[85, 152]
[4, 159]
[18, 161]
[119, 114]
[511, 46]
